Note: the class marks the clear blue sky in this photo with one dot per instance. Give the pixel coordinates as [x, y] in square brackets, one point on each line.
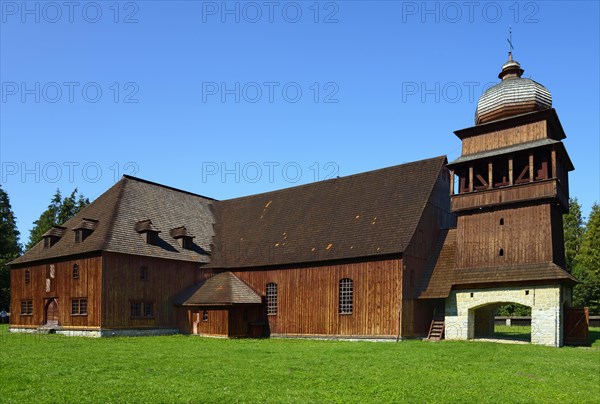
[201, 87]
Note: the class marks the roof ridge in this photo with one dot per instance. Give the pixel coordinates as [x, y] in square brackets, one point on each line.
[334, 179]
[130, 177]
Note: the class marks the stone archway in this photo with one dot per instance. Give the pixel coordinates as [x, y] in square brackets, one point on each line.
[484, 324]
[546, 302]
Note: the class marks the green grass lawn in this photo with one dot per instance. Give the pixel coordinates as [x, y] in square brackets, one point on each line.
[54, 368]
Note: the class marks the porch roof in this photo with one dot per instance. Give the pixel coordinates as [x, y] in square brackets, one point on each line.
[221, 290]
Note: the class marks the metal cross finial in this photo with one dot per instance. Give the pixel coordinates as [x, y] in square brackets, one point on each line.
[510, 49]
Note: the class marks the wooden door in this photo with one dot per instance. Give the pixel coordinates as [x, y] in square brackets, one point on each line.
[52, 312]
[576, 323]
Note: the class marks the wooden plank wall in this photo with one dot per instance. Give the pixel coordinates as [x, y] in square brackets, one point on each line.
[505, 137]
[122, 284]
[63, 288]
[417, 315]
[525, 237]
[217, 324]
[307, 301]
[239, 322]
[183, 319]
[222, 321]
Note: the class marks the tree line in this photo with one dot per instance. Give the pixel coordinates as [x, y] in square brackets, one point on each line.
[61, 209]
[582, 246]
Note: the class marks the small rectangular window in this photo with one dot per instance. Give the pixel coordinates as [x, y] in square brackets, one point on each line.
[142, 309]
[205, 315]
[78, 307]
[27, 276]
[26, 307]
[148, 310]
[78, 237]
[136, 309]
[143, 273]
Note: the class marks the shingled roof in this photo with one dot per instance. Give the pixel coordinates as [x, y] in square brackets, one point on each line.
[362, 215]
[116, 213]
[441, 273]
[220, 290]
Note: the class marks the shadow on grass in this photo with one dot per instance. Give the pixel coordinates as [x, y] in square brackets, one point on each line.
[514, 333]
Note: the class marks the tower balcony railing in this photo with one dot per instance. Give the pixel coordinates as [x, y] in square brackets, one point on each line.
[531, 191]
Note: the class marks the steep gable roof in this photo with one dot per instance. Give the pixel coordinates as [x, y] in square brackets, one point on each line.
[220, 290]
[368, 214]
[116, 213]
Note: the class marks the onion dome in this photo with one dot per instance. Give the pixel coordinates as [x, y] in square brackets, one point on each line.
[514, 95]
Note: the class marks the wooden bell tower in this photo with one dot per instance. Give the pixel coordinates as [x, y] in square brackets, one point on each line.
[510, 185]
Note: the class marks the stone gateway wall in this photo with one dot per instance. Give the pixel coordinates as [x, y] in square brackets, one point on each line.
[470, 313]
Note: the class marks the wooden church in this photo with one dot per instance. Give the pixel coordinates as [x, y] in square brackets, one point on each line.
[425, 248]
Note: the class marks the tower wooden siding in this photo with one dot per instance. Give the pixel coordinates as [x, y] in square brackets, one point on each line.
[62, 287]
[525, 237]
[506, 137]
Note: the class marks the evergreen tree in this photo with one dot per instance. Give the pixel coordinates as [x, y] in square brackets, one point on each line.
[59, 211]
[587, 265]
[573, 232]
[9, 247]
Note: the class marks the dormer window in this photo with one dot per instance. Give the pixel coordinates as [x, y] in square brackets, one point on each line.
[84, 229]
[183, 237]
[52, 236]
[148, 232]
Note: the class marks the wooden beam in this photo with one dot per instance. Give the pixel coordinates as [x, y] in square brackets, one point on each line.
[490, 176]
[510, 171]
[520, 178]
[451, 182]
[484, 184]
[553, 173]
[531, 167]
[470, 178]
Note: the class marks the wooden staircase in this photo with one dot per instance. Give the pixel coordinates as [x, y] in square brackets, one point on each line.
[436, 329]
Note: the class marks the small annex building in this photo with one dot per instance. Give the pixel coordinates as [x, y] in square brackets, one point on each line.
[400, 252]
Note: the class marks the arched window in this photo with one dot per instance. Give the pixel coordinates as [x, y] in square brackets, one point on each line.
[27, 276]
[75, 271]
[271, 299]
[346, 296]
[501, 252]
[501, 221]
